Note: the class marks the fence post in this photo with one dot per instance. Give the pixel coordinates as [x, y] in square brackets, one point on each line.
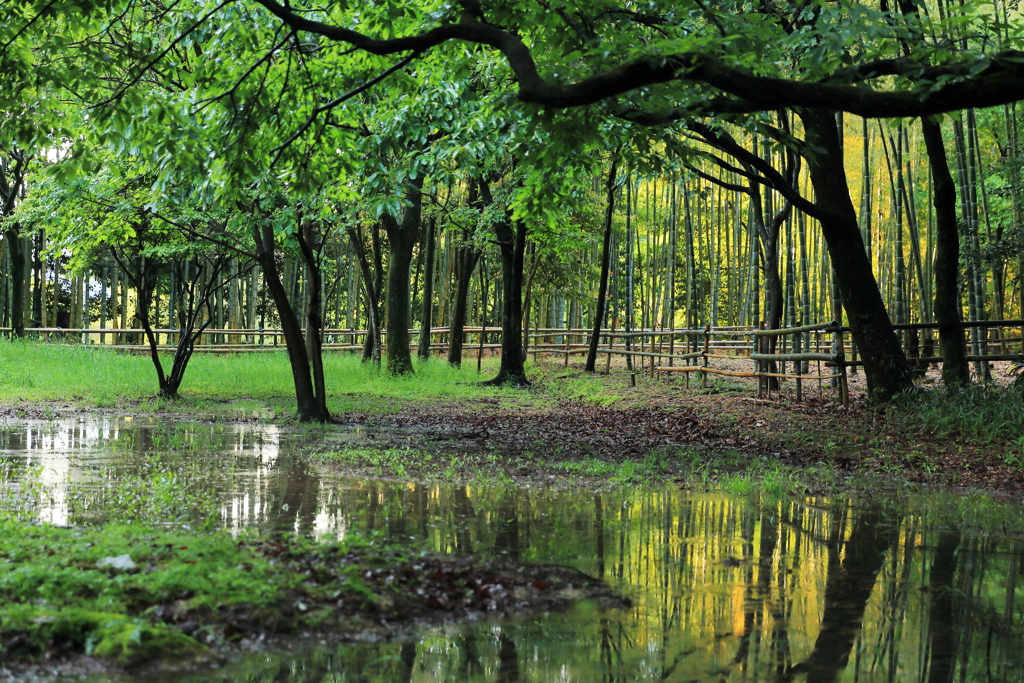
[707, 346]
[652, 353]
[480, 350]
[838, 351]
[797, 365]
[758, 365]
[611, 345]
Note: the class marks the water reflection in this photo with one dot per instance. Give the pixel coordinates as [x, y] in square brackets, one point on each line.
[724, 588]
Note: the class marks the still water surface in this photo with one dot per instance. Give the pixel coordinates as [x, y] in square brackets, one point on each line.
[725, 588]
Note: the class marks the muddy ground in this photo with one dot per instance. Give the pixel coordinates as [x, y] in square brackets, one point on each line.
[577, 428]
[717, 430]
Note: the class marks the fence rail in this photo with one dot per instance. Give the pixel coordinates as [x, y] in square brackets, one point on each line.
[684, 351]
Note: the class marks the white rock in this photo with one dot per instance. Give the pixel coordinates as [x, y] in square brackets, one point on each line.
[119, 562]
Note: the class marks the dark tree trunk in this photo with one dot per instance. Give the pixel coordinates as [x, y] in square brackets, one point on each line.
[307, 406]
[12, 176]
[17, 251]
[427, 313]
[402, 236]
[399, 358]
[884, 364]
[512, 243]
[602, 289]
[308, 240]
[466, 258]
[955, 368]
[371, 347]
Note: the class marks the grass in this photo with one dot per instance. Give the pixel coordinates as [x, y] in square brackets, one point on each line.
[260, 384]
[394, 462]
[983, 413]
[980, 415]
[35, 371]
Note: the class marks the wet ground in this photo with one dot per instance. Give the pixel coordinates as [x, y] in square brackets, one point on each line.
[724, 588]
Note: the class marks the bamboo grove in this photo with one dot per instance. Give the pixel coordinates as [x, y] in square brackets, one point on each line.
[240, 201]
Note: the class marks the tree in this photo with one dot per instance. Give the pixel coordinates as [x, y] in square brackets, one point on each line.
[467, 255]
[13, 168]
[510, 235]
[884, 364]
[602, 290]
[108, 211]
[955, 370]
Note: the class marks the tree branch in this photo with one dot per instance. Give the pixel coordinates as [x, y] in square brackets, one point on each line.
[1000, 82]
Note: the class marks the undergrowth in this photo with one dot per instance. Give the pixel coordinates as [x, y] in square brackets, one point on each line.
[978, 414]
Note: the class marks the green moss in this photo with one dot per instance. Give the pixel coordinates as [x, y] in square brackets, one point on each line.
[54, 593]
[103, 634]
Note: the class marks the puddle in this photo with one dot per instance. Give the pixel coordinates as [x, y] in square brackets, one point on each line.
[724, 588]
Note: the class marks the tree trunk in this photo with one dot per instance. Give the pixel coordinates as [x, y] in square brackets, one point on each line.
[402, 237]
[428, 288]
[466, 258]
[308, 239]
[955, 368]
[17, 252]
[307, 406]
[602, 290]
[512, 243]
[371, 347]
[884, 365]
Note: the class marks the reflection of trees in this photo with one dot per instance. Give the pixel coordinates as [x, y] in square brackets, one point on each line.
[847, 590]
[506, 537]
[297, 494]
[940, 616]
[722, 588]
[753, 616]
[599, 533]
[408, 657]
[464, 512]
[508, 659]
[470, 664]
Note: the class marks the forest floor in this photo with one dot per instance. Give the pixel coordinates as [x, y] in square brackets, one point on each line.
[586, 429]
[569, 427]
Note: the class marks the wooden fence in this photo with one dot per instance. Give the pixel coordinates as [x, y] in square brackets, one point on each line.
[821, 353]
